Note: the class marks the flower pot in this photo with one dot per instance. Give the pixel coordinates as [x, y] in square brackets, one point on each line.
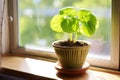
[71, 57]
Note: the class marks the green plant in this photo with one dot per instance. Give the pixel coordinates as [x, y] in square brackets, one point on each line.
[71, 21]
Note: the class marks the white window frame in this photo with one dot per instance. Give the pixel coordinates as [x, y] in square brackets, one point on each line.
[113, 63]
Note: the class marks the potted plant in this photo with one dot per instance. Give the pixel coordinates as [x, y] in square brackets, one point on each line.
[72, 53]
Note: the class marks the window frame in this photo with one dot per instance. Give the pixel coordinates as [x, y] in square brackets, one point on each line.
[115, 53]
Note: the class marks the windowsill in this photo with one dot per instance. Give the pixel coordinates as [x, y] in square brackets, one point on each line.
[34, 69]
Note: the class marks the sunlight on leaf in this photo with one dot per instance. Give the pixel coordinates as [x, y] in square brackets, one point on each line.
[69, 11]
[56, 23]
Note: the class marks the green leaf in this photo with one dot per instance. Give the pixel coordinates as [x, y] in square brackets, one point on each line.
[71, 21]
[89, 27]
[88, 22]
[70, 25]
[68, 11]
[84, 15]
[55, 23]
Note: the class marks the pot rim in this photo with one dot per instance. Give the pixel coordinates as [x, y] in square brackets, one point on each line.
[88, 44]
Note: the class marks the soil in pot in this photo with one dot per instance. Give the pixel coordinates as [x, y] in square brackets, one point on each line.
[70, 43]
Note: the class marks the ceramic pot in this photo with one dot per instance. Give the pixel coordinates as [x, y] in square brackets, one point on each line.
[71, 57]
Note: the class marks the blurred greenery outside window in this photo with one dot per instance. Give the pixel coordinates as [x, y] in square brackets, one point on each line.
[34, 24]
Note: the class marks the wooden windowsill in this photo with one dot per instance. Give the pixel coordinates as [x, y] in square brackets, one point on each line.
[33, 69]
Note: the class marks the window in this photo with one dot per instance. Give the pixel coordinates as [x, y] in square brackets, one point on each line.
[31, 34]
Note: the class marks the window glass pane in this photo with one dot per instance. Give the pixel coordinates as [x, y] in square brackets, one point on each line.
[34, 24]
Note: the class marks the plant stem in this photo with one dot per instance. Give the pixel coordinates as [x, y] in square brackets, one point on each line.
[76, 36]
[70, 36]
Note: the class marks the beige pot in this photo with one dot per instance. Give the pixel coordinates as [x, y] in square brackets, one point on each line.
[71, 57]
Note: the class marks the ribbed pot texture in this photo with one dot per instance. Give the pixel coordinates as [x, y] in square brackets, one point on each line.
[71, 57]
